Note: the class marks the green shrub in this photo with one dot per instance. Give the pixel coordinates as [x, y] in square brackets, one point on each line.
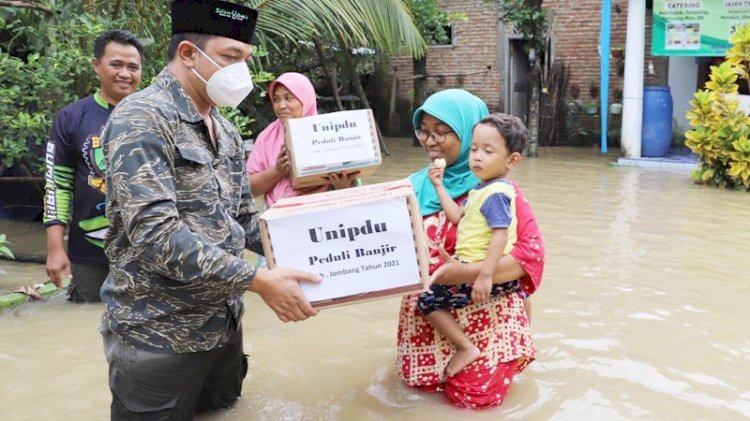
[46, 65]
[721, 130]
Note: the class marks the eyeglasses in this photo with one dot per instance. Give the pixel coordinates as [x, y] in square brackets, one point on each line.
[436, 136]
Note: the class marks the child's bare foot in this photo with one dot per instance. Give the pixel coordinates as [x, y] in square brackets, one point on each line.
[461, 359]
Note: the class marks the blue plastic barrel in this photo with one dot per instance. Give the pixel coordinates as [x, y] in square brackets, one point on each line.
[656, 134]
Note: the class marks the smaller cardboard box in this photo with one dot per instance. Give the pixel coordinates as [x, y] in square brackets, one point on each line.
[366, 242]
[344, 141]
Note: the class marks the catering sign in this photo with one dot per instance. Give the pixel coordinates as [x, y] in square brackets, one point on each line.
[696, 27]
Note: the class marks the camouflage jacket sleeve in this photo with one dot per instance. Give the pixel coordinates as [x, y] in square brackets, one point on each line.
[142, 174]
[247, 216]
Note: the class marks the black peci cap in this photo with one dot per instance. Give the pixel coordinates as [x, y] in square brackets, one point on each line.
[214, 17]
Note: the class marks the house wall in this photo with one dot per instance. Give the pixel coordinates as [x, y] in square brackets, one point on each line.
[476, 52]
[471, 63]
[683, 78]
[577, 27]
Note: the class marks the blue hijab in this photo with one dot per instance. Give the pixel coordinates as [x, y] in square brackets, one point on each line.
[460, 110]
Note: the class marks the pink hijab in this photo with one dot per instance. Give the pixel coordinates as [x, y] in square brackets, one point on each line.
[269, 142]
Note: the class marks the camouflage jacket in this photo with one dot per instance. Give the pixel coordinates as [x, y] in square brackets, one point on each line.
[181, 213]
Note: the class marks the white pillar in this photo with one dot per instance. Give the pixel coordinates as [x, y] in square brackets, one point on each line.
[632, 104]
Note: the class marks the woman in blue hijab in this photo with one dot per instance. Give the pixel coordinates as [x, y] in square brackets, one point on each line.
[444, 125]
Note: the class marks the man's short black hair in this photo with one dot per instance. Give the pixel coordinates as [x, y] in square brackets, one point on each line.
[199, 40]
[116, 35]
[511, 128]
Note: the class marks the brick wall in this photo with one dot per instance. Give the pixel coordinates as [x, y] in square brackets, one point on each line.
[577, 25]
[471, 63]
[474, 53]
[576, 28]
[660, 63]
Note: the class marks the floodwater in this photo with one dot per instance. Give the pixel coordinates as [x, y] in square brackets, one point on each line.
[642, 314]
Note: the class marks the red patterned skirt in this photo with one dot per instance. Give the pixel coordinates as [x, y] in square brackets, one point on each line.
[499, 328]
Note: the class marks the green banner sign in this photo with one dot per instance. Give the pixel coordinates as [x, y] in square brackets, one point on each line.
[696, 27]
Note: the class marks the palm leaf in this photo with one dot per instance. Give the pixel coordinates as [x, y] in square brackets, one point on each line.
[385, 25]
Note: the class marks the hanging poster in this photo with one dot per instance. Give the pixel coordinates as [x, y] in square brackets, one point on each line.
[696, 27]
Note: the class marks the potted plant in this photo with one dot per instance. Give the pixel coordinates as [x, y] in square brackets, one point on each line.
[616, 107]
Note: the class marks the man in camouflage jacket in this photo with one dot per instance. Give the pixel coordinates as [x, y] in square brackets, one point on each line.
[181, 213]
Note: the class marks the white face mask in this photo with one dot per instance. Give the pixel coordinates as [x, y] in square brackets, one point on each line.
[229, 85]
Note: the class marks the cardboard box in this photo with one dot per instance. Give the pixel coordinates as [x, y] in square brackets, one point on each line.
[366, 242]
[344, 141]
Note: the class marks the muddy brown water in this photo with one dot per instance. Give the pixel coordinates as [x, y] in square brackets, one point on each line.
[642, 314]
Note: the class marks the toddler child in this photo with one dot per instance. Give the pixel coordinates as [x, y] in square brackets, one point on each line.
[486, 228]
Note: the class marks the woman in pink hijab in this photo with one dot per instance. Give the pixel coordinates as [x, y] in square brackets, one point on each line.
[292, 96]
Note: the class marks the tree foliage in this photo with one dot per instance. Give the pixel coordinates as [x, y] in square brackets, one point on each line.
[434, 24]
[531, 20]
[431, 22]
[45, 64]
[45, 57]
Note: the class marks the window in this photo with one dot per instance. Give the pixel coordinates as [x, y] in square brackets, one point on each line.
[443, 37]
